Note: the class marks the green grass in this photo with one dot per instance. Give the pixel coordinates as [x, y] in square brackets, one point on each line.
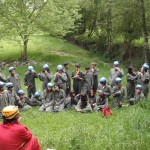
[127, 129]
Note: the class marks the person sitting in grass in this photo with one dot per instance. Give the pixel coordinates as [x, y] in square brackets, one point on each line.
[48, 98]
[36, 99]
[92, 98]
[23, 102]
[72, 100]
[139, 96]
[83, 104]
[101, 102]
[13, 135]
[118, 93]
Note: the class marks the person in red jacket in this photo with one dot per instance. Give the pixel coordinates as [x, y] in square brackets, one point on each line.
[13, 135]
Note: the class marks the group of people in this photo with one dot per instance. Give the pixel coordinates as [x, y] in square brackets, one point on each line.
[88, 93]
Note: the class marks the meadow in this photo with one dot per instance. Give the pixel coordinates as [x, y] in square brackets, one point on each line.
[127, 129]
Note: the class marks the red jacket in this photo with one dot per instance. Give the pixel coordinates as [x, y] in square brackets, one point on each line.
[13, 135]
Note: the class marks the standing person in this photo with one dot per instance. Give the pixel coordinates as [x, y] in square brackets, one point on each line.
[88, 81]
[95, 72]
[83, 104]
[68, 83]
[60, 77]
[115, 72]
[103, 87]
[15, 136]
[118, 93]
[144, 79]
[10, 96]
[29, 81]
[45, 76]
[131, 81]
[22, 102]
[138, 95]
[78, 78]
[14, 78]
[3, 102]
[48, 96]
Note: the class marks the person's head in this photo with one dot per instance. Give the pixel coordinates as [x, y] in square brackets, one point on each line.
[138, 88]
[12, 70]
[30, 69]
[84, 97]
[103, 81]
[37, 94]
[9, 86]
[77, 66]
[87, 69]
[45, 67]
[56, 87]
[91, 93]
[116, 63]
[66, 65]
[2, 86]
[102, 95]
[145, 67]
[93, 65]
[21, 94]
[10, 114]
[50, 86]
[72, 93]
[60, 68]
[130, 70]
[118, 82]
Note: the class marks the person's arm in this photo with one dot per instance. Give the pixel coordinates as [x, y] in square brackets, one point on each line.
[62, 98]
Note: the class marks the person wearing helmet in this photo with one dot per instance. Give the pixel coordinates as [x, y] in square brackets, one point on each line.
[68, 82]
[95, 72]
[45, 76]
[78, 78]
[14, 78]
[11, 97]
[71, 101]
[144, 79]
[14, 135]
[48, 98]
[118, 93]
[103, 87]
[36, 99]
[60, 78]
[29, 81]
[3, 102]
[88, 81]
[139, 96]
[83, 104]
[115, 72]
[101, 102]
[22, 103]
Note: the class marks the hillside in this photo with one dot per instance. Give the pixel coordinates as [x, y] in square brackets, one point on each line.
[127, 128]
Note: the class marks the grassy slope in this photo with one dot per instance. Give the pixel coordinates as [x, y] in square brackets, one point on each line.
[128, 128]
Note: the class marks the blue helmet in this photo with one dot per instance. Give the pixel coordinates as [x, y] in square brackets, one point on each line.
[118, 80]
[2, 84]
[146, 66]
[45, 66]
[138, 86]
[11, 68]
[50, 84]
[9, 84]
[37, 94]
[59, 67]
[102, 80]
[116, 63]
[21, 92]
[30, 68]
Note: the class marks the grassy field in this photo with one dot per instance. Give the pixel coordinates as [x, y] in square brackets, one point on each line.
[127, 129]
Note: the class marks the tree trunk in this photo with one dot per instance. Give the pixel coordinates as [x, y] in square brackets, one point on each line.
[24, 56]
[144, 31]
